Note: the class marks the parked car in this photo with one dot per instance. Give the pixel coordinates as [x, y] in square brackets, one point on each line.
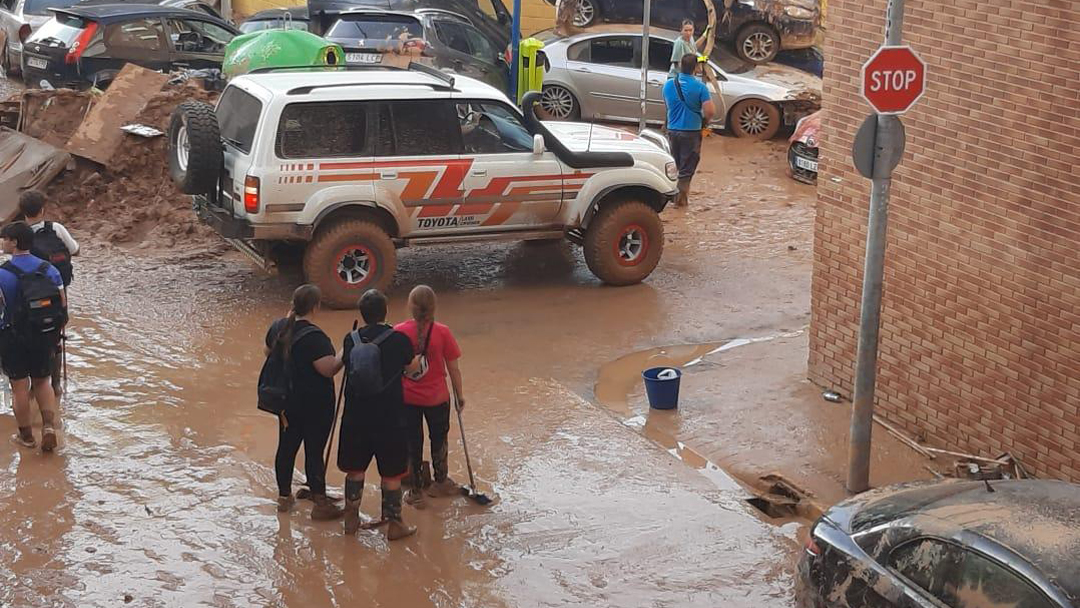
[195, 5]
[349, 164]
[88, 45]
[757, 28]
[803, 149]
[597, 76]
[19, 19]
[449, 41]
[295, 18]
[957, 544]
[488, 16]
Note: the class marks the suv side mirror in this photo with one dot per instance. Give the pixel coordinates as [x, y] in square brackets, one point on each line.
[538, 144]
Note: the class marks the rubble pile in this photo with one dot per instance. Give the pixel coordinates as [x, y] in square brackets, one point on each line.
[131, 201]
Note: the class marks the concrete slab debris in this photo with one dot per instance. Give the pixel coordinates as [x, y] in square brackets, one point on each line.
[100, 134]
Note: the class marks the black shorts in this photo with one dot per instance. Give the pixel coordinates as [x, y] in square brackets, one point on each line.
[359, 443]
[23, 359]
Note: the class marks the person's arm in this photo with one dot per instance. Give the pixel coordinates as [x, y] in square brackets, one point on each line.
[326, 361]
[455, 381]
[69, 241]
[328, 366]
[708, 109]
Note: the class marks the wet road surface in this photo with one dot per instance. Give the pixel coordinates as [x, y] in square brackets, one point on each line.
[163, 489]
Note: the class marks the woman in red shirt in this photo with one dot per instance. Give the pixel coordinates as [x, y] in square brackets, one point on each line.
[426, 394]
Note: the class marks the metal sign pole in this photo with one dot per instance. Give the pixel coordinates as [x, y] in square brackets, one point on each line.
[515, 49]
[888, 144]
[644, 63]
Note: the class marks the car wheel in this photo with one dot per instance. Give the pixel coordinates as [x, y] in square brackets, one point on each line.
[757, 43]
[624, 242]
[586, 13]
[194, 148]
[347, 258]
[755, 119]
[558, 103]
[10, 69]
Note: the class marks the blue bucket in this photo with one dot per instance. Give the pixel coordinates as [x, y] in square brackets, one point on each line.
[663, 393]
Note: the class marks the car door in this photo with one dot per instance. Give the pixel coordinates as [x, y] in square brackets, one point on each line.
[454, 49]
[507, 186]
[602, 70]
[140, 41]
[487, 60]
[196, 43]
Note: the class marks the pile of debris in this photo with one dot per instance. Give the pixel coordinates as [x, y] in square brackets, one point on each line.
[101, 158]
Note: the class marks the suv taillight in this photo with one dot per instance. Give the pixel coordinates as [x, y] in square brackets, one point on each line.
[812, 548]
[251, 194]
[24, 32]
[80, 43]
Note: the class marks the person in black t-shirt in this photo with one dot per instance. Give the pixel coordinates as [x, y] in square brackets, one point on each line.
[309, 415]
[374, 427]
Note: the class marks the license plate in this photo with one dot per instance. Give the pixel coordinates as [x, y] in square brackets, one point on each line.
[38, 63]
[362, 57]
[809, 165]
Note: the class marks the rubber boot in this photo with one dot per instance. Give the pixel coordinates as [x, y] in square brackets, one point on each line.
[391, 513]
[285, 503]
[354, 491]
[683, 198]
[443, 486]
[324, 510]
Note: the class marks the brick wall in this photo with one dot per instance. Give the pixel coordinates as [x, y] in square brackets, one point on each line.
[980, 341]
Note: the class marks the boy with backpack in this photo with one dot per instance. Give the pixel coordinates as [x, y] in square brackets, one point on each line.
[373, 423]
[54, 244]
[34, 314]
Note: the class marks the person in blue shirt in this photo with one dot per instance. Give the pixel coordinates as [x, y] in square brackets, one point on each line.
[689, 108]
[27, 360]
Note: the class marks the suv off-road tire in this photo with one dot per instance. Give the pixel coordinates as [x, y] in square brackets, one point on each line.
[331, 261]
[610, 250]
[195, 154]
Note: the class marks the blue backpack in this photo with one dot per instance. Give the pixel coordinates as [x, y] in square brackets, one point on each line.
[364, 377]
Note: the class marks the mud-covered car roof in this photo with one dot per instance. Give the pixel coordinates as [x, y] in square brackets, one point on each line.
[298, 13]
[106, 13]
[1038, 519]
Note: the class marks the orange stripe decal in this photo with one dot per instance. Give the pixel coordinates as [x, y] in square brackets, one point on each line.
[347, 177]
[502, 213]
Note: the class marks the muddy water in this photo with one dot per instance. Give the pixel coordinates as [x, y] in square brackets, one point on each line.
[163, 489]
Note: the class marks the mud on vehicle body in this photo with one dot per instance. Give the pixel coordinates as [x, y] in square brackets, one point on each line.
[353, 163]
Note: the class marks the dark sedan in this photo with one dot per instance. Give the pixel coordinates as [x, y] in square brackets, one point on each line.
[88, 45]
[957, 545]
[758, 29]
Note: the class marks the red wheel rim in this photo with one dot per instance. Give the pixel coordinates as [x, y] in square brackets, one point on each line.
[355, 266]
[632, 245]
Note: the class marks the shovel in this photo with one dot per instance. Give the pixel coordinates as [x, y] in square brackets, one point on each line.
[469, 492]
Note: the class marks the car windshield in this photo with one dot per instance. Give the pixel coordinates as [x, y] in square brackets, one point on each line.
[60, 31]
[270, 24]
[376, 28]
[41, 7]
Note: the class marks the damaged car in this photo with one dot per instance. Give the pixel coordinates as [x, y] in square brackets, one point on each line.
[596, 75]
[960, 544]
[757, 29]
[803, 149]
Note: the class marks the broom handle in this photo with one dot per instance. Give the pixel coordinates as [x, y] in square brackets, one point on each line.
[337, 408]
[464, 444]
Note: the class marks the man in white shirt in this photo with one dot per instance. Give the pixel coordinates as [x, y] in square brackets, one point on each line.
[54, 244]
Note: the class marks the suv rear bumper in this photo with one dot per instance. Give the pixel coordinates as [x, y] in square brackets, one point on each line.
[232, 227]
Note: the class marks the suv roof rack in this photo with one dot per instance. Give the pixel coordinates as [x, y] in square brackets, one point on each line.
[413, 66]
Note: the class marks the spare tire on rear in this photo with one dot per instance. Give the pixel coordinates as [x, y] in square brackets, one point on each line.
[194, 148]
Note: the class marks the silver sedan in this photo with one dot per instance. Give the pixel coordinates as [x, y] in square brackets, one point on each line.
[596, 75]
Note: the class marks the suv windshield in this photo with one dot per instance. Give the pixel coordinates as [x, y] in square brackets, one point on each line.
[238, 114]
[41, 7]
[376, 28]
[61, 31]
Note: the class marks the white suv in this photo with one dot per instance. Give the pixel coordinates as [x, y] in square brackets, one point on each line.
[353, 163]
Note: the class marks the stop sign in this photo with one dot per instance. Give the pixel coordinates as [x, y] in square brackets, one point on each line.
[893, 79]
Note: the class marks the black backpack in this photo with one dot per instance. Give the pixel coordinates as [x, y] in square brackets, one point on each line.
[50, 247]
[363, 377]
[276, 377]
[39, 313]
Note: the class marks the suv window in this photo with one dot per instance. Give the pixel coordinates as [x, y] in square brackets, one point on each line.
[238, 114]
[492, 128]
[140, 34]
[928, 563]
[324, 129]
[424, 128]
[983, 582]
[614, 51]
[194, 36]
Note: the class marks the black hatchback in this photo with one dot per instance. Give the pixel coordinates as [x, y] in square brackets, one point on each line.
[88, 45]
[955, 545]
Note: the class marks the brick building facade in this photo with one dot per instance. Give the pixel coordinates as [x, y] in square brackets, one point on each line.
[980, 341]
